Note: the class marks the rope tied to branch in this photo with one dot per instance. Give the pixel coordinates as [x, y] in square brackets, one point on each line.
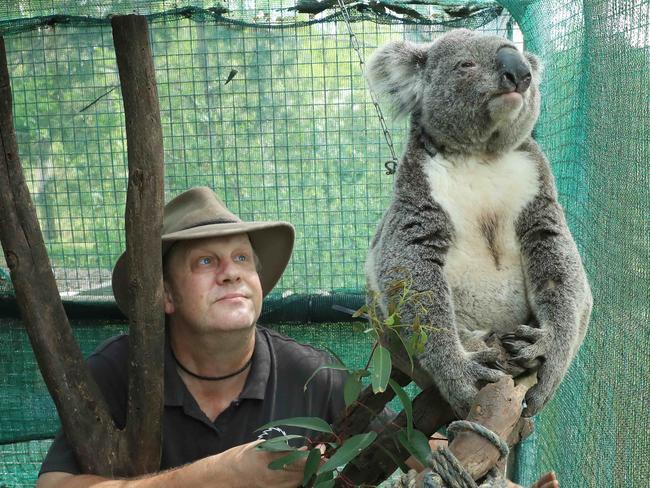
[447, 472]
[483, 431]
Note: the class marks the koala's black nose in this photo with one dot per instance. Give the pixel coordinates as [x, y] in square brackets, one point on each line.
[514, 73]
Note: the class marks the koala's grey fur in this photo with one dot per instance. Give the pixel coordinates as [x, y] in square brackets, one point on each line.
[474, 220]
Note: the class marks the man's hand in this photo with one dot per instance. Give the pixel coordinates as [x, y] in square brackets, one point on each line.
[250, 467]
[547, 481]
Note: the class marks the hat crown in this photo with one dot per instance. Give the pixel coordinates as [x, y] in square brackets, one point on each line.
[197, 206]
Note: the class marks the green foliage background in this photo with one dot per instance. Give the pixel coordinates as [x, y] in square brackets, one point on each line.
[293, 135]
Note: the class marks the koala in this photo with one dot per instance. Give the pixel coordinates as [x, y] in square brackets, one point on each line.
[475, 222]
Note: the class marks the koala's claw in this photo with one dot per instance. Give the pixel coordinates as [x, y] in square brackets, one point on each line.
[529, 353]
[513, 344]
[541, 393]
[501, 366]
[485, 356]
[526, 345]
[536, 399]
[531, 334]
[460, 392]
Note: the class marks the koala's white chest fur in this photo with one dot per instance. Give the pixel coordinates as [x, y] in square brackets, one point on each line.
[483, 267]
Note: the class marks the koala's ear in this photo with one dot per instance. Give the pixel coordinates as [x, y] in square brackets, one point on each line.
[535, 63]
[396, 69]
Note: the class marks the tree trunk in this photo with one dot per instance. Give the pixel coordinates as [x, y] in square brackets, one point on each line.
[144, 203]
[83, 412]
[99, 446]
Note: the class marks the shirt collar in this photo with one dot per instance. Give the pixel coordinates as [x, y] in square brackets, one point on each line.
[254, 388]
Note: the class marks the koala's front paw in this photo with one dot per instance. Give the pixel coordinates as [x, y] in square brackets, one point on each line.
[471, 375]
[549, 377]
[527, 345]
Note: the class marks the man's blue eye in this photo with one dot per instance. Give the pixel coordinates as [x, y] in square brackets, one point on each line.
[241, 258]
[205, 261]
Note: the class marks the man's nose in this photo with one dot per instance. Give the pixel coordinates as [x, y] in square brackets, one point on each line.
[227, 272]
[514, 73]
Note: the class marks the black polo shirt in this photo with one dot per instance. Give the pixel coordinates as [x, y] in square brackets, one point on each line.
[274, 390]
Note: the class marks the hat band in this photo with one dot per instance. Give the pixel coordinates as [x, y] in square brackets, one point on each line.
[211, 222]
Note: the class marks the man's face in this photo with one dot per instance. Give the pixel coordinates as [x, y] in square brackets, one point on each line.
[212, 284]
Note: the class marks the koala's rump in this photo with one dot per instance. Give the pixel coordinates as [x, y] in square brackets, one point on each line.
[483, 266]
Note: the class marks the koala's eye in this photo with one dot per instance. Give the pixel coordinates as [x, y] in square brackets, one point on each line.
[466, 64]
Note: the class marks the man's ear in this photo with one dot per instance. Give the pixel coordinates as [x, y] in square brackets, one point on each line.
[396, 69]
[168, 298]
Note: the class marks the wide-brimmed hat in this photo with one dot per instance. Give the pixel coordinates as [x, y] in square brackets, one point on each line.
[198, 213]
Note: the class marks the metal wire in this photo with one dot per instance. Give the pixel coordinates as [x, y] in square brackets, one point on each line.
[354, 42]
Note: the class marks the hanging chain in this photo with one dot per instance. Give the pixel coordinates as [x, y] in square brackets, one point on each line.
[392, 164]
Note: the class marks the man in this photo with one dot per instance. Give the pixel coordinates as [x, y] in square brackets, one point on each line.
[224, 377]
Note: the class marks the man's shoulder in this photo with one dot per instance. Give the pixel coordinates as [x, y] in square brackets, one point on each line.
[114, 347]
[289, 347]
[111, 355]
[301, 366]
[301, 360]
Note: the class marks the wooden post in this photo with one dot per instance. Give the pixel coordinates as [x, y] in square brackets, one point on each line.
[144, 205]
[498, 407]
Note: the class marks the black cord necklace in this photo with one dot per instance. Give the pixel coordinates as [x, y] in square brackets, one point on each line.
[211, 378]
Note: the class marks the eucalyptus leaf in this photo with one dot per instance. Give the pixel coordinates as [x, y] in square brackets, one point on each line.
[381, 368]
[324, 479]
[312, 423]
[311, 466]
[279, 444]
[350, 449]
[406, 403]
[351, 389]
[339, 367]
[285, 461]
[417, 444]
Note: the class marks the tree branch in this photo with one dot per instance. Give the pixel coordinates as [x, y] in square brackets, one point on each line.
[83, 412]
[143, 217]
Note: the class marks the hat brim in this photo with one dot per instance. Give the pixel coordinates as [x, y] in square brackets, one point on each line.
[272, 242]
